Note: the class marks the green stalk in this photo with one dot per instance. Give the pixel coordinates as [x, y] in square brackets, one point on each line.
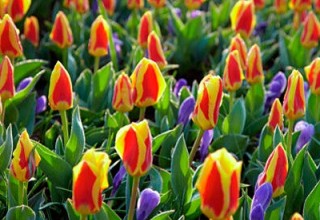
[195, 146]
[83, 217]
[231, 97]
[65, 58]
[142, 113]
[96, 64]
[289, 140]
[317, 104]
[133, 198]
[21, 193]
[3, 111]
[64, 120]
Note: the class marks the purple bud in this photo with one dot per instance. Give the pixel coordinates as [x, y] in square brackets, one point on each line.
[94, 7]
[186, 110]
[179, 84]
[24, 83]
[260, 28]
[262, 196]
[306, 133]
[257, 213]
[306, 89]
[41, 104]
[205, 143]
[194, 14]
[117, 43]
[148, 201]
[276, 88]
[118, 179]
[177, 11]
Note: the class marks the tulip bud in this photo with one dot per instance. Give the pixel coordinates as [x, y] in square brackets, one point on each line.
[99, 41]
[148, 201]
[155, 50]
[90, 178]
[60, 89]
[243, 18]
[254, 72]
[238, 44]
[193, 4]
[185, 110]
[25, 159]
[276, 116]
[275, 171]
[3, 7]
[311, 31]
[300, 5]
[145, 28]
[157, 3]
[294, 100]
[233, 74]
[61, 33]
[122, 94]
[317, 6]
[18, 8]
[313, 76]
[259, 4]
[135, 4]
[296, 216]
[109, 5]
[280, 6]
[81, 6]
[206, 112]
[10, 44]
[222, 169]
[7, 89]
[134, 146]
[31, 30]
[148, 83]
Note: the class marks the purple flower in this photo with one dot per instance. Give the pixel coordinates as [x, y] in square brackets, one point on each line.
[276, 87]
[118, 179]
[261, 200]
[306, 90]
[148, 201]
[117, 43]
[205, 143]
[186, 110]
[94, 7]
[257, 213]
[178, 86]
[194, 14]
[24, 83]
[41, 104]
[177, 11]
[306, 133]
[260, 28]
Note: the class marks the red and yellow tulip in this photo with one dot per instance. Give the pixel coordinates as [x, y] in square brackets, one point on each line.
[122, 94]
[233, 74]
[7, 89]
[296, 216]
[259, 4]
[317, 6]
[145, 28]
[300, 5]
[60, 89]
[10, 44]
[243, 18]
[276, 116]
[99, 41]
[135, 4]
[294, 100]
[109, 5]
[280, 6]
[31, 30]
[313, 76]
[275, 171]
[206, 112]
[90, 178]
[25, 159]
[82, 6]
[155, 50]
[18, 8]
[148, 83]
[157, 3]
[238, 44]
[193, 4]
[311, 31]
[134, 146]
[61, 33]
[222, 169]
[254, 72]
[3, 7]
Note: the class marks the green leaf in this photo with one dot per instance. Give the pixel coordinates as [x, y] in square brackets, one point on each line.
[27, 68]
[164, 102]
[155, 180]
[284, 56]
[6, 150]
[83, 87]
[159, 139]
[106, 213]
[311, 209]
[76, 142]
[192, 209]
[299, 55]
[163, 215]
[265, 143]
[254, 100]
[72, 214]
[235, 143]
[20, 212]
[275, 211]
[312, 111]
[309, 174]
[27, 113]
[235, 121]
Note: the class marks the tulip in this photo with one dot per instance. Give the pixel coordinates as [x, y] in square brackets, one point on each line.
[275, 171]
[238, 44]
[280, 6]
[185, 110]
[61, 33]
[300, 5]
[259, 4]
[82, 6]
[296, 216]
[157, 3]
[148, 83]
[25, 159]
[313, 76]
[311, 31]
[99, 42]
[193, 4]
[317, 5]
[222, 169]
[243, 18]
[276, 116]
[122, 96]
[148, 201]
[18, 8]
[10, 44]
[145, 28]
[31, 30]
[254, 72]
[109, 6]
[3, 7]
[135, 4]
[90, 178]
[178, 86]
[306, 132]
[233, 74]
[155, 50]
[7, 89]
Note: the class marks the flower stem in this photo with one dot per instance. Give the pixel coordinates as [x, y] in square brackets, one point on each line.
[317, 104]
[65, 131]
[195, 146]
[289, 141]
[133, 199]
[142, 112]
[65, 58]
[83, 217]
[96, 64]
[21, 193]
[3, 111]
[231, 97]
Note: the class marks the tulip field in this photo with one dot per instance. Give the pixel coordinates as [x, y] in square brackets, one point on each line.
[160, 109]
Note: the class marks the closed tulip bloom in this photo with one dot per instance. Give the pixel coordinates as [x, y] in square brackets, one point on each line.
[60, 89]
[61, 33]
[238, 44]
[99, 41]
[10, 44]
[254, 72]
[317, 6]
[109, 5]
[313, 76]
[155, 50]
[134, 146]
[7, 89]
[145, 28]
[3, 7]
[243, 18]
[233, 74]
[90, 178]
[122, 94]
[275, 171]
[193, 4]
[25, 159]
[280, 6]
[311, 31]
[31, 30]
[276, 116]
[18, 8]
[206, 112]
[296, 216]
[300, 5]
[157, 3]
[81, 6]
[221, 169]
[148, 83]
[135, 4]
[294, 99]
[259, 4]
